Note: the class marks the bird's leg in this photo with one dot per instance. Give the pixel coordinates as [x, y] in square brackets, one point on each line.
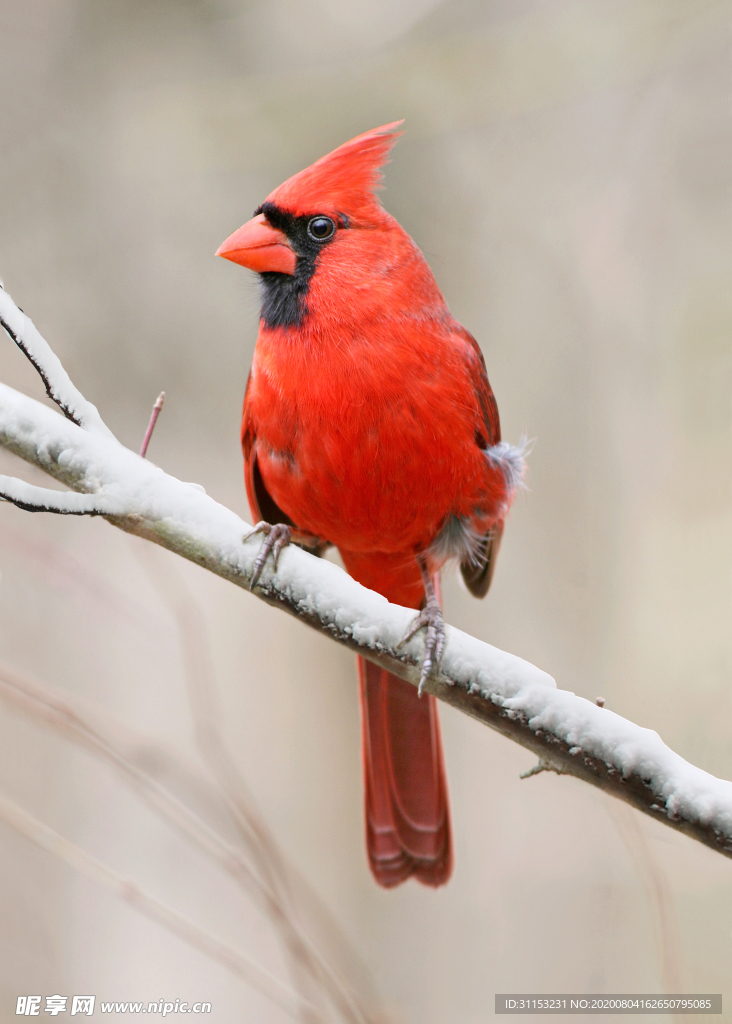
[431, 617]
[276, 538]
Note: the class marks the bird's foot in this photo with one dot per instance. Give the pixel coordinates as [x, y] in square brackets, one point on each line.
[276, 538]
[430, 617]
[434, 642]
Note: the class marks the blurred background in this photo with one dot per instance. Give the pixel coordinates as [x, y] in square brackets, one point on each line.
[565, 170]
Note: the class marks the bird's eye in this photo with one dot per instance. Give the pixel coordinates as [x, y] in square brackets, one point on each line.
[321, 228]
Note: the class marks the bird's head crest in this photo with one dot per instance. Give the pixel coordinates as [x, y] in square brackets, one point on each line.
[344, 181]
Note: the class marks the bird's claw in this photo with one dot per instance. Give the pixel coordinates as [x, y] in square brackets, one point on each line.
[276, 538]
[434, 641]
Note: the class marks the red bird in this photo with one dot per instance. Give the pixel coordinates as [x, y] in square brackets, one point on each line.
[369, 424]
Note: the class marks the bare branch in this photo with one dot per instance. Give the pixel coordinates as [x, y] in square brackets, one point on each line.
[658, 893]
[68, 715]
[572, 735]
[45, 837]
[97, 734]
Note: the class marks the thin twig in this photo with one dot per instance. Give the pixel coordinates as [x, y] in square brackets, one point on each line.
[659, 895]
[151, 425]
[97, 734]
[236, 961]
[65, 713]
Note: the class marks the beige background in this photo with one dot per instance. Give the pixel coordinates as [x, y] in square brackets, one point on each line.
[565, 170]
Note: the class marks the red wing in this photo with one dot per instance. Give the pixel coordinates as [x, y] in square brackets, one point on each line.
[248, 437]
[261, 503]
[478, 573]
[247, 427]
[483, 391]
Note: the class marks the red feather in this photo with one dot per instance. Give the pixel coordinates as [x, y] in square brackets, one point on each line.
[344, 181]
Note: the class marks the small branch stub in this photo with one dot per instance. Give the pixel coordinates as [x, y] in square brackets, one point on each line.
[151, 425]
[544, 765]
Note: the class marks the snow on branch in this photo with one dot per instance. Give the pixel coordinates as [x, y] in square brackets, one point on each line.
[570, 735]
[57, 381]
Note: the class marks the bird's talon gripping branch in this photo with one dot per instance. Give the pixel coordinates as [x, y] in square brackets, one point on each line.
[434, 643]
[430, 617]
[276, 538]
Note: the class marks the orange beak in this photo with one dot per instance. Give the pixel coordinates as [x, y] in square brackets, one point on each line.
[259, 246]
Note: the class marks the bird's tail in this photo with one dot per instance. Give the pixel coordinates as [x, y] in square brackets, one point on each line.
[407, 814]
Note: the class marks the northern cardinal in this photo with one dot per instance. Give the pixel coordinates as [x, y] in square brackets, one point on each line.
[369, 424]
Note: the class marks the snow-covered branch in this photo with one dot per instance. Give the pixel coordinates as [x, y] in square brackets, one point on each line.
[56, 380]
[569, 734]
